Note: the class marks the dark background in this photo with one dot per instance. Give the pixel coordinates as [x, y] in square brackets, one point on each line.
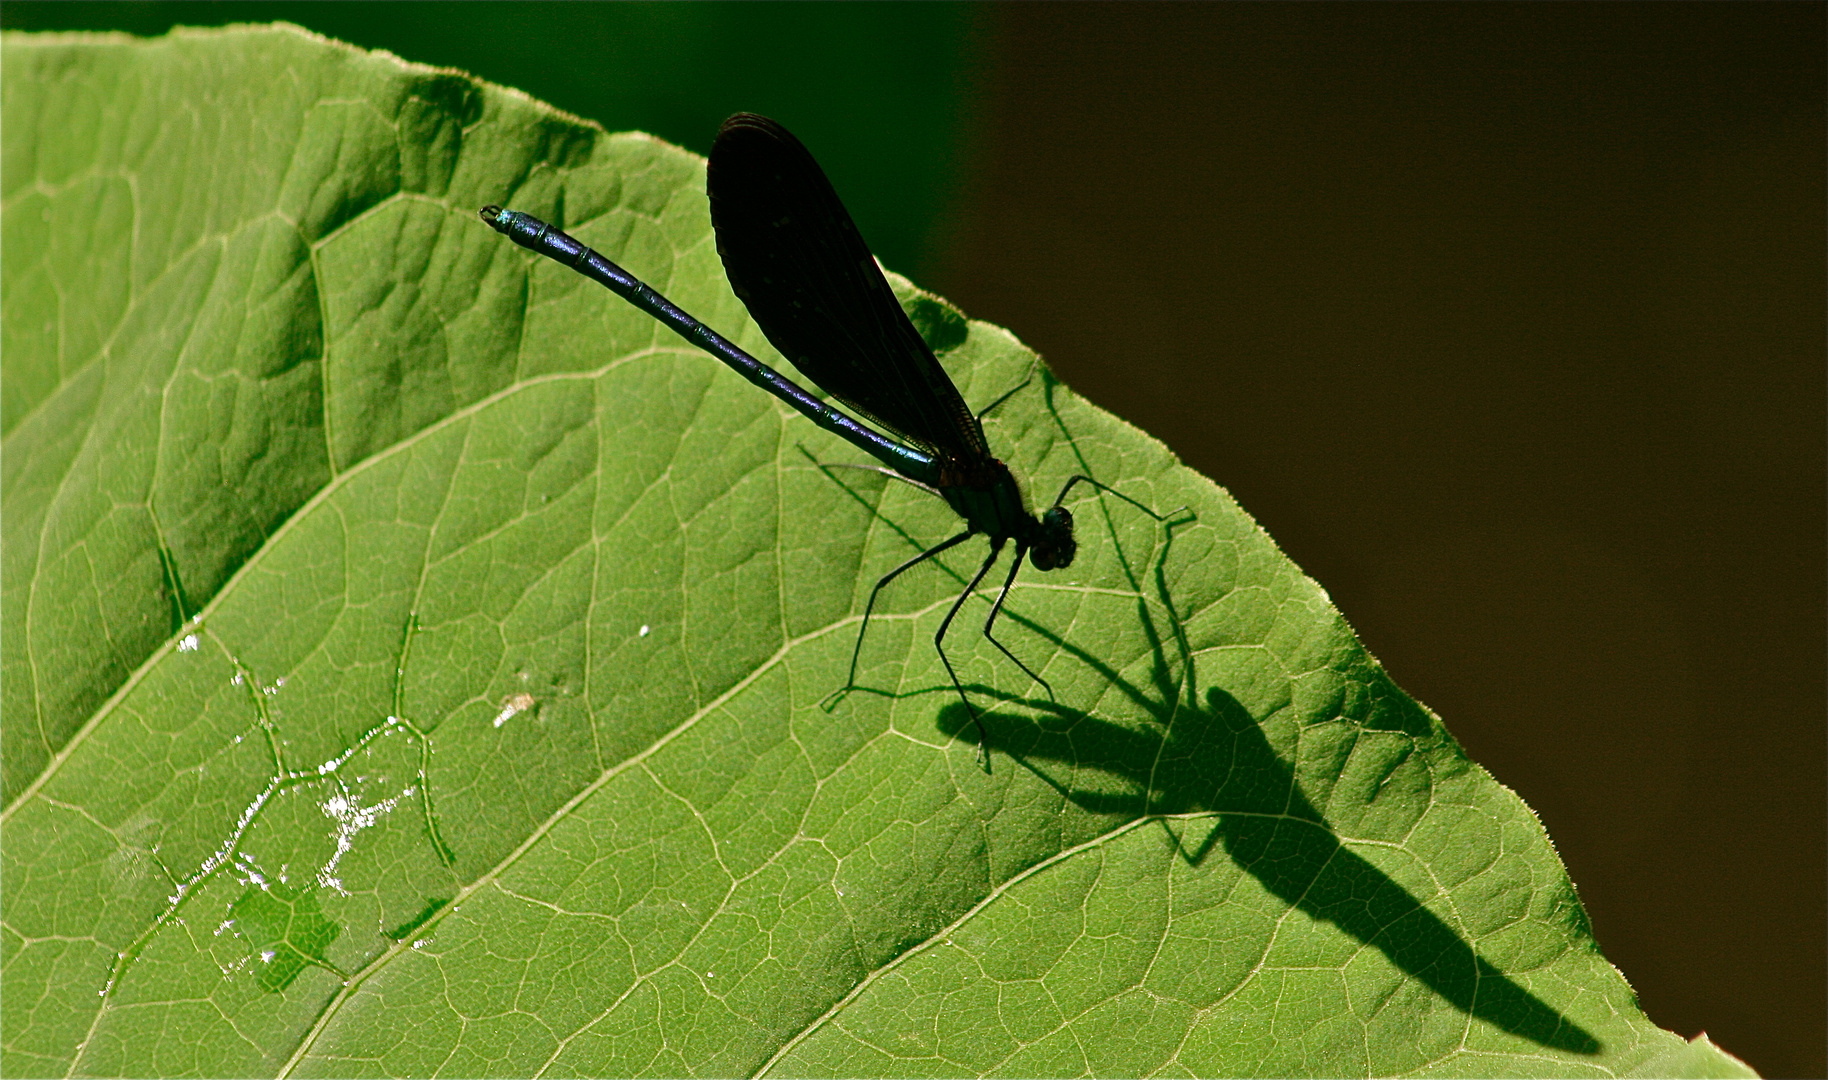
[1507, 321]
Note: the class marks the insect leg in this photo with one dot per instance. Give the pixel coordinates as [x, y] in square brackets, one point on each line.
[832, 699]
[996, 608]
[883, 469]
[1106, 487]
[1007, 394]
[939, 646]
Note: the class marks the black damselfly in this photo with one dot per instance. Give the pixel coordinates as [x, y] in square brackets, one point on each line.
[800, 266]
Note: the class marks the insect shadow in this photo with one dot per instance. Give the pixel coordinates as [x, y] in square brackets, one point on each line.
[1205, 756]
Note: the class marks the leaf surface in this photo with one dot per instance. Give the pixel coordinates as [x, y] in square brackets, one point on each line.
[414, 657]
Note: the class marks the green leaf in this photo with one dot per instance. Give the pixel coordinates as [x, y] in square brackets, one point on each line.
[285, 930]
[413, 660]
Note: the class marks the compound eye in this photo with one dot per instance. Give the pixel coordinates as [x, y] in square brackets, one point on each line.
[1054, 547]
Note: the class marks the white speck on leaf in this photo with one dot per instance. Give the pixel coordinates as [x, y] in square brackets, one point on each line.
[519, 703]
[351, 817]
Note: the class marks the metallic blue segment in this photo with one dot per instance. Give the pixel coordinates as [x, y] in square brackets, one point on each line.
[535, 235]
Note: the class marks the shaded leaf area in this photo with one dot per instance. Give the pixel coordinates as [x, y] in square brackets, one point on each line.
[493, 745]
[285, 930]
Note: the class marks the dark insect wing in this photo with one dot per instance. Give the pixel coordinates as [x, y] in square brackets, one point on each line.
[796, 260]
[798, 263]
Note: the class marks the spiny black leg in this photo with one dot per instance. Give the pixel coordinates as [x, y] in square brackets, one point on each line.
[1007, 394]
[939, 646]
[832, 699]
[1021, 550]
[1114, 491]
[822, 466]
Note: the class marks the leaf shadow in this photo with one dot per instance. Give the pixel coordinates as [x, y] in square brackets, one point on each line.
[1206, 756]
